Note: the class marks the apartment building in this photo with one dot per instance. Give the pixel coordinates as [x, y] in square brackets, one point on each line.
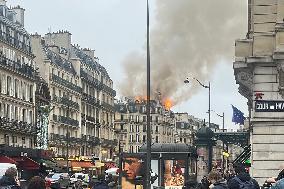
[130, 124]
[81, 120]
[17, 80]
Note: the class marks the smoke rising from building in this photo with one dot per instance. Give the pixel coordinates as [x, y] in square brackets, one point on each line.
[187, 38]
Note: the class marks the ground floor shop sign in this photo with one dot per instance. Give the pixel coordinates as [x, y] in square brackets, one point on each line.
[269, 106]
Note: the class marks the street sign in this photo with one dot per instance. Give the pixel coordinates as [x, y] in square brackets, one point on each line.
[269, 106]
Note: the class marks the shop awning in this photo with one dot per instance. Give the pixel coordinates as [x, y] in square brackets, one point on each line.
[6, 159]
[26, 163]
[82, 164]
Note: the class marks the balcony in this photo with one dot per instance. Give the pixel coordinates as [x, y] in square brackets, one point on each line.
[109, 90]
[109, 143]
[90, 100]
[15, 42]
[66, 120]
[66, 83]
[65, 101]
[107, 106]
[91, 140]
[91, 119]
[90, 79]
[17, 126]
[23, 69]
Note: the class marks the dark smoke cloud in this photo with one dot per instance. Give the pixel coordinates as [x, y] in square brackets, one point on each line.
[188, 38]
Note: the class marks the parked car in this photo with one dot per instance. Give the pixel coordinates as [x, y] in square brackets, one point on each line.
[84, 178]
[61, 180]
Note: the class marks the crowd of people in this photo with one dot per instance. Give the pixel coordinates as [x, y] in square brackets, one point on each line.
[239, 178]
[10, 181]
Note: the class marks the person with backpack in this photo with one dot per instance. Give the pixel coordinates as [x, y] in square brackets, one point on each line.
[242, 180]
[10, 179]
[217, 181]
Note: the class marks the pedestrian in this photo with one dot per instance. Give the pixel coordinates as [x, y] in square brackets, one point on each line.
[101, 184]
[242, 180]
[10, 179]
[278, 182]
[217, 181]
[37, 183]
[204, 183]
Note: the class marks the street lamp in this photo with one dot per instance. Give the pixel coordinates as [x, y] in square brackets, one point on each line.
[223, 130]
[209, 90]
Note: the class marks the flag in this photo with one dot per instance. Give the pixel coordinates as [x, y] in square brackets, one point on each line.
[238, 116]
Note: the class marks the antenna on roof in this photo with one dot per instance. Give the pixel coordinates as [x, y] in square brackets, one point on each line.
[49, 29]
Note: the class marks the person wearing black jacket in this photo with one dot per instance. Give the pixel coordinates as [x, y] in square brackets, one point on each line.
[102, 184]
[241, 177]
[10, 179]
[217, 181]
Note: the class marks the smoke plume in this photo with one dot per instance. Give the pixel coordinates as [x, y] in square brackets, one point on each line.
[187, 38]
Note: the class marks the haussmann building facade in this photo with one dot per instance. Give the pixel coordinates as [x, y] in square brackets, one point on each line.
[259, 71]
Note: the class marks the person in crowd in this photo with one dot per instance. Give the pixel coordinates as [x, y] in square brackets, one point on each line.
[37, 183]
[276, 182]
[10, 179]
[204, 183]
[110, 181]
[217, 181]
[102, 184]
[242, 180]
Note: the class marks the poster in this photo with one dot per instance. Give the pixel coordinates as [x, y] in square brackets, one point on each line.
[174, 174]
[133, 172]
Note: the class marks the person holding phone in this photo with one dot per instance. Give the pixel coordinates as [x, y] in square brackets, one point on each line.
[10, 179]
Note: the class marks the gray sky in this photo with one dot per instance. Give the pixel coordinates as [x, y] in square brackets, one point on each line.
[115, 28]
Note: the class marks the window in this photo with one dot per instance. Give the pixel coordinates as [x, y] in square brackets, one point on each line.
[131, 128]
[157, 139]
[144, 118]
[31, 93]
[144, 128]
[144, 138]
[16, 88]
[6, 139]
[157, 129]
[8, 85]
[23, 140]
[16, 113]
[137, 119]
[24, 114]
[137, 128]
[137, 138]
[14, 139]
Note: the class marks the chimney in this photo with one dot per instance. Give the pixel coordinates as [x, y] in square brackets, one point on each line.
[89, 52]
[2, 3]
[20, 14]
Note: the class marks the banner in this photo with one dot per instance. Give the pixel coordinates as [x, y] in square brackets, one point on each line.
[174, 174]
[133, 172]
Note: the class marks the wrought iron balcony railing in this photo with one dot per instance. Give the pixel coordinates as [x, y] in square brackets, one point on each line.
[17, 67]
[95, 82]
[65, 120]
[109, 90]
[17, 126]
[15, 42]
[66, 83]
[65, 101]
[91, 100]
[92, 119]
[107, 106]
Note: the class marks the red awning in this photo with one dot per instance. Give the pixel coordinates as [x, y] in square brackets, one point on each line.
[82, 164]
[26, 163]
[5, 159]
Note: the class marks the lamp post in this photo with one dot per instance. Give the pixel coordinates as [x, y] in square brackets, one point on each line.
[209, 91]
[223, 144]
[149, 137]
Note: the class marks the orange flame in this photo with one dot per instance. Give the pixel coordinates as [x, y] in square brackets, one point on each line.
[168, 103]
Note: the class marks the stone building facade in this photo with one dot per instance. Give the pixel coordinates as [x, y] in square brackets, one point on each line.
[258, 67]
[131, 124]
[81, 120]
[17, 80]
